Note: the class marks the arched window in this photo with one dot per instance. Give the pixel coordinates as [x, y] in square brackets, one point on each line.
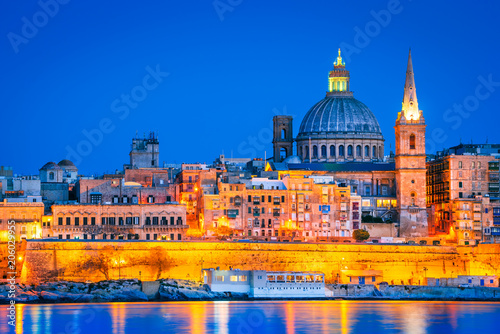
[307, 152]
[51, 175]
[380, 152]
[323, 151]
[341, 151]
[283, 134]
[332, 150]
[283, 153]
[367, 151]
[315, 151]
[358, 150]
[349, 151]
[374, 152]
[413, 196]
[301, 152]
[412, 141]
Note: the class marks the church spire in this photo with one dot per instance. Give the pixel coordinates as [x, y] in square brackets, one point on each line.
[410, 103]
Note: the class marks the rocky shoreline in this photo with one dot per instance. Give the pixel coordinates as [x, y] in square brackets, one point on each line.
[111, 291]
[134, 290]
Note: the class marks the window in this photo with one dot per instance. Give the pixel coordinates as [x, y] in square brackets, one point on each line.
[332, 150]
[460, 184]
[460, 195]
[323, 151]
[341, 151]
[473, 165]
[358, 151]
[374, 152]
[367, 151]
[349, 150]
[315, 151]
[460, 164]
[85, 220]
[412, 141]
[59, 221]
[51, 176]
[234, 278]
[68, 220]
[413, 195]
[77, 221]
[92, 220]
[151, 199]
[219, 278]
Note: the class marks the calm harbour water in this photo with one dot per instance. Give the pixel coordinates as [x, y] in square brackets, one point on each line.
[257, 317]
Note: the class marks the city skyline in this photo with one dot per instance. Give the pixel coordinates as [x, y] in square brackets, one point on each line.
[242, 85]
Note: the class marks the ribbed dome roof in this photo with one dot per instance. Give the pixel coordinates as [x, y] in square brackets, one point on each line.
[339, 115]
[66, 163]
[50, 165]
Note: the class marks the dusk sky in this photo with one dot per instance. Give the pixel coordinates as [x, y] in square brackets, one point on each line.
[223, 69]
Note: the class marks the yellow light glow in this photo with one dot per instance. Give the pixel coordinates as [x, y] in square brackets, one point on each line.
[20, 258]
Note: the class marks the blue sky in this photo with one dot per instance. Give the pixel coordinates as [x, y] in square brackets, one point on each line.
[222, 69]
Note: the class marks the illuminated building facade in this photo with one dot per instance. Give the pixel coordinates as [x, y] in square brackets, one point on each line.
[306, 208]
[410, 161]
[118, 221]
[456, 185]
[27, 217]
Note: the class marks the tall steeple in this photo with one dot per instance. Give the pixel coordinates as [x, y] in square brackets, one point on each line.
[410, 103]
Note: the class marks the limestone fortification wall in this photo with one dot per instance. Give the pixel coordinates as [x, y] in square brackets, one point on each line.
[69, 260]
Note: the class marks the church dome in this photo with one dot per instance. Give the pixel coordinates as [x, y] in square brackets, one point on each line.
[50, 166]
[340, 128]
[293, 159]
[338, 116]
[67, 164]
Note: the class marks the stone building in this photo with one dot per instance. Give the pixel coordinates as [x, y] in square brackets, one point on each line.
[70, 172]
[52, 187]
[190, 184]
[27, 218]
[458, 181]
[304, 208]
[118, 221]
[114, 191]
[145, 152]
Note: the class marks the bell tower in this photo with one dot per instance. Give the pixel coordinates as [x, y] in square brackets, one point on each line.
[410, 162]
[282, 137]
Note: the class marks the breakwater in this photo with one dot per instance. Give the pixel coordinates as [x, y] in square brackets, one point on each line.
[399, 264]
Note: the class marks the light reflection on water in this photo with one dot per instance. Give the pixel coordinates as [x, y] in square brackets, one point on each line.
[259, 317]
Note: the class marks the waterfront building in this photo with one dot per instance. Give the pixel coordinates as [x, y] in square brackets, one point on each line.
[118, 221]
[266, 284]
[362, 277]
[465, 281]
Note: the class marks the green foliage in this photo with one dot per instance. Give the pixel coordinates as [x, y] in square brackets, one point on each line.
[360, 235]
